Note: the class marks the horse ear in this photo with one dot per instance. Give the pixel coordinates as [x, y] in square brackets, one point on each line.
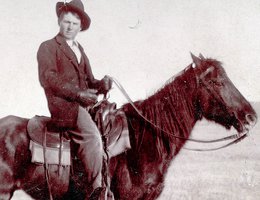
[196, 59]
[201, 56]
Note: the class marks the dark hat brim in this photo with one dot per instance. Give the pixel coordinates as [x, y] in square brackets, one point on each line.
[85, 19]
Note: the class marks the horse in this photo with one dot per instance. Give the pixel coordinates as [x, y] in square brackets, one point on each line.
[158, 127]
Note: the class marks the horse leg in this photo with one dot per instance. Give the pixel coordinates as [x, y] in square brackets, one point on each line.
[122, 184]
[154, 192]
[58, 180]
[7, 185]
[128, 183]
[36, 184]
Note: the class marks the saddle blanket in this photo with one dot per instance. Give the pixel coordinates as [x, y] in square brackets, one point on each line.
[52, 156]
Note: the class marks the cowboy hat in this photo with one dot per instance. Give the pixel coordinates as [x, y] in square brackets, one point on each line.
[77, 7]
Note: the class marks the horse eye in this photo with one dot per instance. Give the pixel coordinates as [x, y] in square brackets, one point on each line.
[218, 84]
[215, 83]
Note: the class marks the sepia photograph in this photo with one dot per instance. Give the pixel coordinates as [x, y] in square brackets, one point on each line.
[138, 100]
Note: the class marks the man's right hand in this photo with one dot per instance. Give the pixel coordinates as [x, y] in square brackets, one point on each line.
[87, 97]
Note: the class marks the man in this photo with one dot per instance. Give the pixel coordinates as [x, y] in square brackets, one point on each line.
[70, 88]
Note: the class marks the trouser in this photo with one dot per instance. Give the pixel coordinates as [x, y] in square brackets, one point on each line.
[90, 148]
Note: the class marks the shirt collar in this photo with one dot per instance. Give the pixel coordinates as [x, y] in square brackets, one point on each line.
[72, 43]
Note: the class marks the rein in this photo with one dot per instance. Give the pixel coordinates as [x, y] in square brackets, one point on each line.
[239, 139]
[236, 137]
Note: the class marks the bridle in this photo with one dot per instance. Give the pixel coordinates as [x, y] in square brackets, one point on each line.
[235, 137]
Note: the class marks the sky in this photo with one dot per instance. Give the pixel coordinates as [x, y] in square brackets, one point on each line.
[142, 43]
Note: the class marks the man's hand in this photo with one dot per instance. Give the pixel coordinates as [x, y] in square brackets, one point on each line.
[87, 97]
[107, 83]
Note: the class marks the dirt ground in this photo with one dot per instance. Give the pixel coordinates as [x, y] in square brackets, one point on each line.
[232, 173]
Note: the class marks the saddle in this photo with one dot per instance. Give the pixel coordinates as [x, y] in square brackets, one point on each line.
[54, 147]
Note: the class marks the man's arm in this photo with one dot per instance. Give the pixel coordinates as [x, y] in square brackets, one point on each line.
[102, 86]
[48, 76]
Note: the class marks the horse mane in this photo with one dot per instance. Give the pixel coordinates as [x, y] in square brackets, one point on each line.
[170, 108]
[211, 62]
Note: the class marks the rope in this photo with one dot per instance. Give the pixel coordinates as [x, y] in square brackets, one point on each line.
[221, 147]
[47, 175]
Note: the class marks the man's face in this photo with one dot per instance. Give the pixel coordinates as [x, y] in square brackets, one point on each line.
[70, 25]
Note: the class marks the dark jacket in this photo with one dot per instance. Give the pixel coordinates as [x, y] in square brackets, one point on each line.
[62, 78]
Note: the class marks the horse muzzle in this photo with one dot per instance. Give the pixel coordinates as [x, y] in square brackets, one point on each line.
[246, 124]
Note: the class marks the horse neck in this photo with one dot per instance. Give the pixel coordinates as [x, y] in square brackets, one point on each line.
[173, 107]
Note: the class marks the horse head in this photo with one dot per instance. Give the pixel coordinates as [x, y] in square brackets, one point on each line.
[217, 97]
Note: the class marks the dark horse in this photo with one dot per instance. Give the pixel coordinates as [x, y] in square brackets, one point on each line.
[200, 90]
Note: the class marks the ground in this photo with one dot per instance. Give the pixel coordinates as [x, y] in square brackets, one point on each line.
[229, 174]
